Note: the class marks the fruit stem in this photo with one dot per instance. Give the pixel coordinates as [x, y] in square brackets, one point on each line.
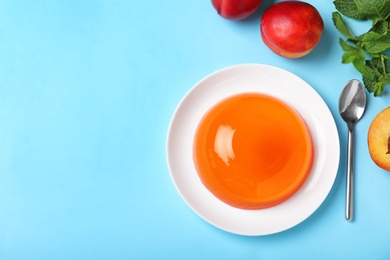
[383, 65]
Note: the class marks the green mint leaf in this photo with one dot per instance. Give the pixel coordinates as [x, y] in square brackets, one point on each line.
[346, 47]
[369, 84]
[374, 87]
[373, 9]
[385, 79]
[369, 36]
[378, 88]
[348, 57]
[377, 83]
[380, 26]
[357, 57]
[348, 8]
[361, 66]
[376, 65]
[341, 25]
[377, 45]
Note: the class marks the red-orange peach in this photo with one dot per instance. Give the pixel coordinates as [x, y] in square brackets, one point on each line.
[291, 29]
[236, 9]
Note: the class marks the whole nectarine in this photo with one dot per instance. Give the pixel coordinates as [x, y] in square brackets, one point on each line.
[236, 9]
[291, 29]
[379, 139]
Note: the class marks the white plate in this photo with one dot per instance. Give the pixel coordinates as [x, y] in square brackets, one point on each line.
[262, 79]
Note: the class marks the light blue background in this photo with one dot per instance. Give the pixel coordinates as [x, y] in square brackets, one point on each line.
[87, 92]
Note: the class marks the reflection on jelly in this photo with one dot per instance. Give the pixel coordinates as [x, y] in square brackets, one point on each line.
[252, 151]
[223, 143]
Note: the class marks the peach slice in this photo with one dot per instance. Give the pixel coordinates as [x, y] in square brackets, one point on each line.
[379, 139]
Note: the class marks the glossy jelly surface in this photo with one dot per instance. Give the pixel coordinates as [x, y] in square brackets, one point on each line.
[252, 151]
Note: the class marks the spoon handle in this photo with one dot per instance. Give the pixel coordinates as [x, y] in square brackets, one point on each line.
[350, 163]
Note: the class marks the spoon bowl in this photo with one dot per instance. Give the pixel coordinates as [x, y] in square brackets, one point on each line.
[352, 103]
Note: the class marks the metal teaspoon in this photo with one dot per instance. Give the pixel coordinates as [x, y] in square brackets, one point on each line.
[352, 103]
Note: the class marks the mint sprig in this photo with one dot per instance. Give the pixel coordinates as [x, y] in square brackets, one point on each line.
[368, 51]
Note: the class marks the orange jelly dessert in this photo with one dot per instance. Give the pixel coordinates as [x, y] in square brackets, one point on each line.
[252, 151]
